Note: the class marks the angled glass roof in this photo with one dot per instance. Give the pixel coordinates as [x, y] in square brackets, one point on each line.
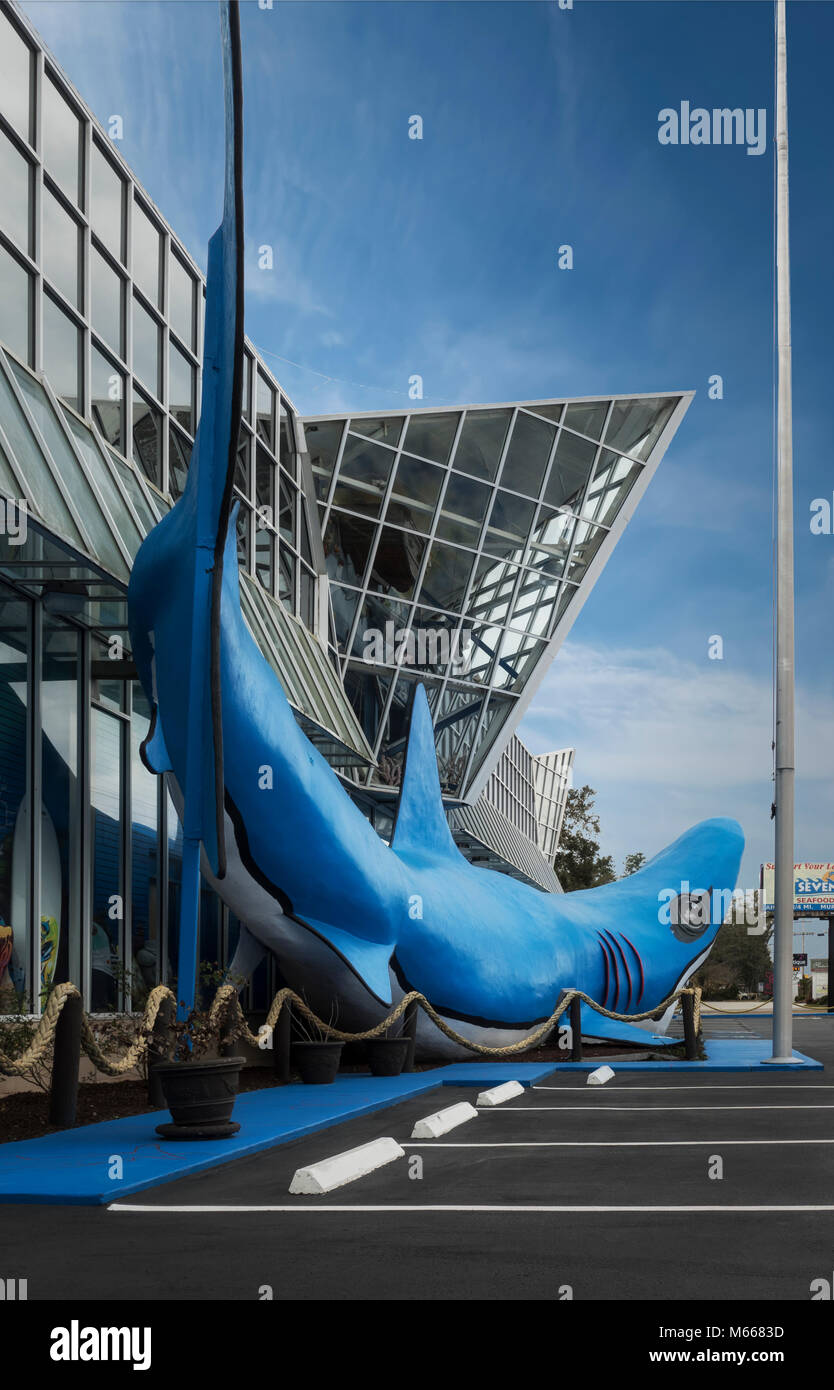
[88, 511]
[475, 530]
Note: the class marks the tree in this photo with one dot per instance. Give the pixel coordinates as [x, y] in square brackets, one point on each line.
[737, 959]
[578, 861]
[633, 862]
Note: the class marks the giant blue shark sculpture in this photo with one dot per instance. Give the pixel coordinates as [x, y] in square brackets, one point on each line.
[352, 920]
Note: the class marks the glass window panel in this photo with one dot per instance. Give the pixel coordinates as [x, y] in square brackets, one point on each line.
[132, 488]
[527, 455]
[181, 301]
[145, 347]
[323, 438]
[16, 69]
[242, 480]
[107, 399]
[565, 598]
[446, 577]
[107, 191]
[15, 306]
[264, 555]
[366, 463]
[551, 541]
[465, 505]
[288, 453]
[304, 533]
[70, 472]
[179, 457]
[587, 417]
[62, 354]
[481, 441]
[60, 805]
[374, 641]
[61, 141]
[61, 249]
[265, 407]
[103, 478]
[181, 388]
[243, 537]
[146, 254]
[147, 438]
[533, 604]
[492, 590]
[636, 426]
[431, 436]
[613, 480]
[15, 977]
[246, 398]
[569, 471]
[287, 501]
[107, 292]
[416, 490]
[399, 555]
[548, 410]
[519, 654]
[347, 545]
[509, 524]
[145, 927]
[586, 544]
[358, 497]
[265, 483]
[386, 428]
[16, 203]
[107, 393]
[286, 578]
[306, 596]
[43, 490]
[106, 778]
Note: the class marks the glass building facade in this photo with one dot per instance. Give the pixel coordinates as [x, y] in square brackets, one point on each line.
[465, 540]
[479, 526]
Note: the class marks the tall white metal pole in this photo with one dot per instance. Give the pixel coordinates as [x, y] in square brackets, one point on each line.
[784, 846]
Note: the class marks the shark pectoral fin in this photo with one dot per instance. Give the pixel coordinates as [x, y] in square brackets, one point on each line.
[368, 959]
[420, 826]
[153, 752]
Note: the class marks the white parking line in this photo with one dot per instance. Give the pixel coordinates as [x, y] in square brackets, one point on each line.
[775, 1086]
[642, 1109]
[483, 1207]
[611, 1143]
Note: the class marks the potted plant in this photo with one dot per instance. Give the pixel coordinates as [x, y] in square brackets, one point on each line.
[199, 1087]
[316, 1054]
[386, 1056]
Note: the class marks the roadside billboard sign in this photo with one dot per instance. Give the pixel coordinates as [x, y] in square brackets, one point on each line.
[813, 889]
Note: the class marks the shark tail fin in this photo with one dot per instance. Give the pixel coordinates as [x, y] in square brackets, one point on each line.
[421, 826]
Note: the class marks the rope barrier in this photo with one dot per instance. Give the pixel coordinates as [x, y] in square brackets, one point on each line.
[226, 1002]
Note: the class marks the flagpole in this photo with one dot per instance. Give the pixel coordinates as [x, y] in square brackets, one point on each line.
[784, 736]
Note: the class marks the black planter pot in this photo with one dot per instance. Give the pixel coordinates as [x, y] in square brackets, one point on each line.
[318, 1062]
[200, 1096]
[386, 1056]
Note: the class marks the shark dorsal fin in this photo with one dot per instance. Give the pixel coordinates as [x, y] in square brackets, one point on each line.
[421, 826]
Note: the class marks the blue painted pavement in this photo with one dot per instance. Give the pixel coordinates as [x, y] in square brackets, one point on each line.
[71, 1167]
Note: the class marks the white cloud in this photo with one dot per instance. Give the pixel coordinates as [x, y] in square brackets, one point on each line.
[667, 742]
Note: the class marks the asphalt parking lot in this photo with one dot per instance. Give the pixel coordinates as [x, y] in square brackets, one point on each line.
[664, 1186]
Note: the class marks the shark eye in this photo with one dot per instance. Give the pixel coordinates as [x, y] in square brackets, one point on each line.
[690, 915]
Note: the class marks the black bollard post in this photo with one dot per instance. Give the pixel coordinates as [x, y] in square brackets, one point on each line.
[159, 1050]
[281, 1044]
[576, 1029]
[690, 1040]
[410, 1031]
[63, 1095]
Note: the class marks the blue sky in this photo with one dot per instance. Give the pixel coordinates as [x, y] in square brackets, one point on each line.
[439, 257]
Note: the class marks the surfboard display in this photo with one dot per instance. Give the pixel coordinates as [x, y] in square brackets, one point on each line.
[51, 894]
